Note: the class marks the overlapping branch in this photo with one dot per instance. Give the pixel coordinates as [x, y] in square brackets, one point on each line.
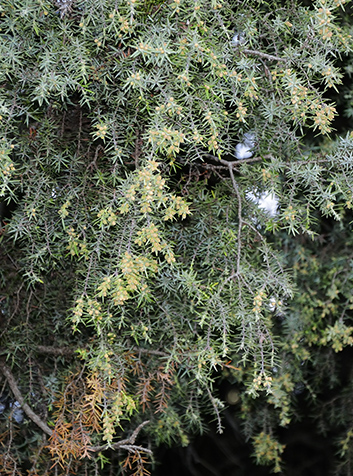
[127, 444]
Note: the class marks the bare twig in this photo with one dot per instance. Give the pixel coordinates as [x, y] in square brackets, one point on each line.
[93, 164]
[235, 163]
[214, 168]
[128, 443]
[134, 448]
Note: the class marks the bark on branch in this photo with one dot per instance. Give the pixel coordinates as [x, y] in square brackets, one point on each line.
[235, 163]
[264, 55]
[25, 407]
[127, 444]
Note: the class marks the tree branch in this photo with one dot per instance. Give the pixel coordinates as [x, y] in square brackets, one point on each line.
[235, 163]
[240, 217]
[46, 349]
[128, 443]
[216, 410]
[134, 448]
[264, 55]
[25, 407]
[140, 350]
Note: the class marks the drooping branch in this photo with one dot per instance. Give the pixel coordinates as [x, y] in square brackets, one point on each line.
[240, 216]
[216, 410]
[18, 395]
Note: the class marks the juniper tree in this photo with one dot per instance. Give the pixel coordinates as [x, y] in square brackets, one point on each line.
[139, 140]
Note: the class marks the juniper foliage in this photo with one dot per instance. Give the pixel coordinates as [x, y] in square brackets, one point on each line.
[137, 265]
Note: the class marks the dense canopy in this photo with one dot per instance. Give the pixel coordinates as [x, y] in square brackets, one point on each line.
[176, 212]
